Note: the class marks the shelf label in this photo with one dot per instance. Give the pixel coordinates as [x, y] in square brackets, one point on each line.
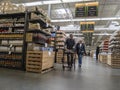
[9, 52]
[46, 45]
[49, 53]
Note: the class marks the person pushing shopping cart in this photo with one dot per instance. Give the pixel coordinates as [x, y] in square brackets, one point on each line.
[69, 44]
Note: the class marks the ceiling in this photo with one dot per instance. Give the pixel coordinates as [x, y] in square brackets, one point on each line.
[66, 10]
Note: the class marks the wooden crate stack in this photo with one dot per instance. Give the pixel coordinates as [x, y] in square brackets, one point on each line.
[39, 61]
[114, 60]
[60, 56]
[103, 58]
[114, 49]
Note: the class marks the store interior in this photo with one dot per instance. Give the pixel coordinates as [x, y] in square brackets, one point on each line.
[33, 50]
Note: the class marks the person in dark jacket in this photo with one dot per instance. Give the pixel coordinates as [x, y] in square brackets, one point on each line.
[80, 49]
[70, 42]
[97, 52]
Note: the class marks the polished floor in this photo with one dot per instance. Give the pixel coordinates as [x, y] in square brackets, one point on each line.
[92, 76]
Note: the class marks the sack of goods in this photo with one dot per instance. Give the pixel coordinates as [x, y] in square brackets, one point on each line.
[8, 7]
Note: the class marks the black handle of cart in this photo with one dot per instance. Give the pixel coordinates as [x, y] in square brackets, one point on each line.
[71, 62]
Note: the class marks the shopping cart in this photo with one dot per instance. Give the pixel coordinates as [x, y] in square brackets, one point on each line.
[71, 61]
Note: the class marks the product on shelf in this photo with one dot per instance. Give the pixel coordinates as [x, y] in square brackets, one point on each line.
[11, 39]
[34, 26]
[114, 50]
[8, 7]
[114, 45]
[104, 46]
[60, 44]
[12, 34]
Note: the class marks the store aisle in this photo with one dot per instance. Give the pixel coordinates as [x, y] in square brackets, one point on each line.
[92, 76]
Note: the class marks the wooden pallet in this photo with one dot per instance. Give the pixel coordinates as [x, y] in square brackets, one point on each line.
[47, 70]
[103, 58]
[114, 60]
[37, 61]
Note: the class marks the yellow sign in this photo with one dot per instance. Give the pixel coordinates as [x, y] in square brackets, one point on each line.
[87, 26]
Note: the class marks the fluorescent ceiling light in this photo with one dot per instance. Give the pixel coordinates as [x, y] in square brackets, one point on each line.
[80, 34]
[41, 2]
[51, 2]
[75, 0]
[110, 18]
[32, 3]
[61, 11]
[102, 34]
[86, 19]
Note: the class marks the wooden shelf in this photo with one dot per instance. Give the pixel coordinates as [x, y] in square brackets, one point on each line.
[12, 15]
[39, 31]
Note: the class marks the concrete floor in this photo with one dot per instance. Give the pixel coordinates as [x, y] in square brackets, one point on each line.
[92, 76]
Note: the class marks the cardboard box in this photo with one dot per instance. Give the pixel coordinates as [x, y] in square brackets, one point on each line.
[34, 26]
[29, 37]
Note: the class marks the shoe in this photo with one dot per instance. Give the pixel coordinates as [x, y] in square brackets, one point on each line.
[79, 65]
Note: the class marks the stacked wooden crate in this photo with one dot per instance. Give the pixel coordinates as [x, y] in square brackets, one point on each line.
[114, 60]
[60, 56]
[114, 49]
[103, 58]
[38, 61]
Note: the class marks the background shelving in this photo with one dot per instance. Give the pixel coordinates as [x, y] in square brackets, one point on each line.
[12, 40]
[39, 55]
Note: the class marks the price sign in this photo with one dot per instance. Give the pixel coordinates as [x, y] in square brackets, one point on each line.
[86, 9]
[80, 10]
[92, 9]
[87, 26]
[83, 26]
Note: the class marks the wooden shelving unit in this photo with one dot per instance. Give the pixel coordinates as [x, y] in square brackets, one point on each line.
[60, 44]
[38, 60]
[114, 49]
[15, 37]
[12, 41]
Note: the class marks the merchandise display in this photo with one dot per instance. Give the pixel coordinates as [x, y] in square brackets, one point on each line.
[114, 45]
[104, 46]
[8, 7]
[40, 55]
[60, 39]
[20, 35]
[12, 40]
[60, 44]
[114, 49]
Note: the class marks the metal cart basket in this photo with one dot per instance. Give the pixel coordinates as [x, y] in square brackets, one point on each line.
[69, 60]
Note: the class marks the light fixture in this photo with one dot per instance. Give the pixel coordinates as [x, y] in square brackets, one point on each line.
[86, 19]
[52, 2]
[105, 33]
[60, 11]
[32, 3]
[75, 0]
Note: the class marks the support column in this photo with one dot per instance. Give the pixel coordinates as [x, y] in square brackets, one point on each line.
[49, 10]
